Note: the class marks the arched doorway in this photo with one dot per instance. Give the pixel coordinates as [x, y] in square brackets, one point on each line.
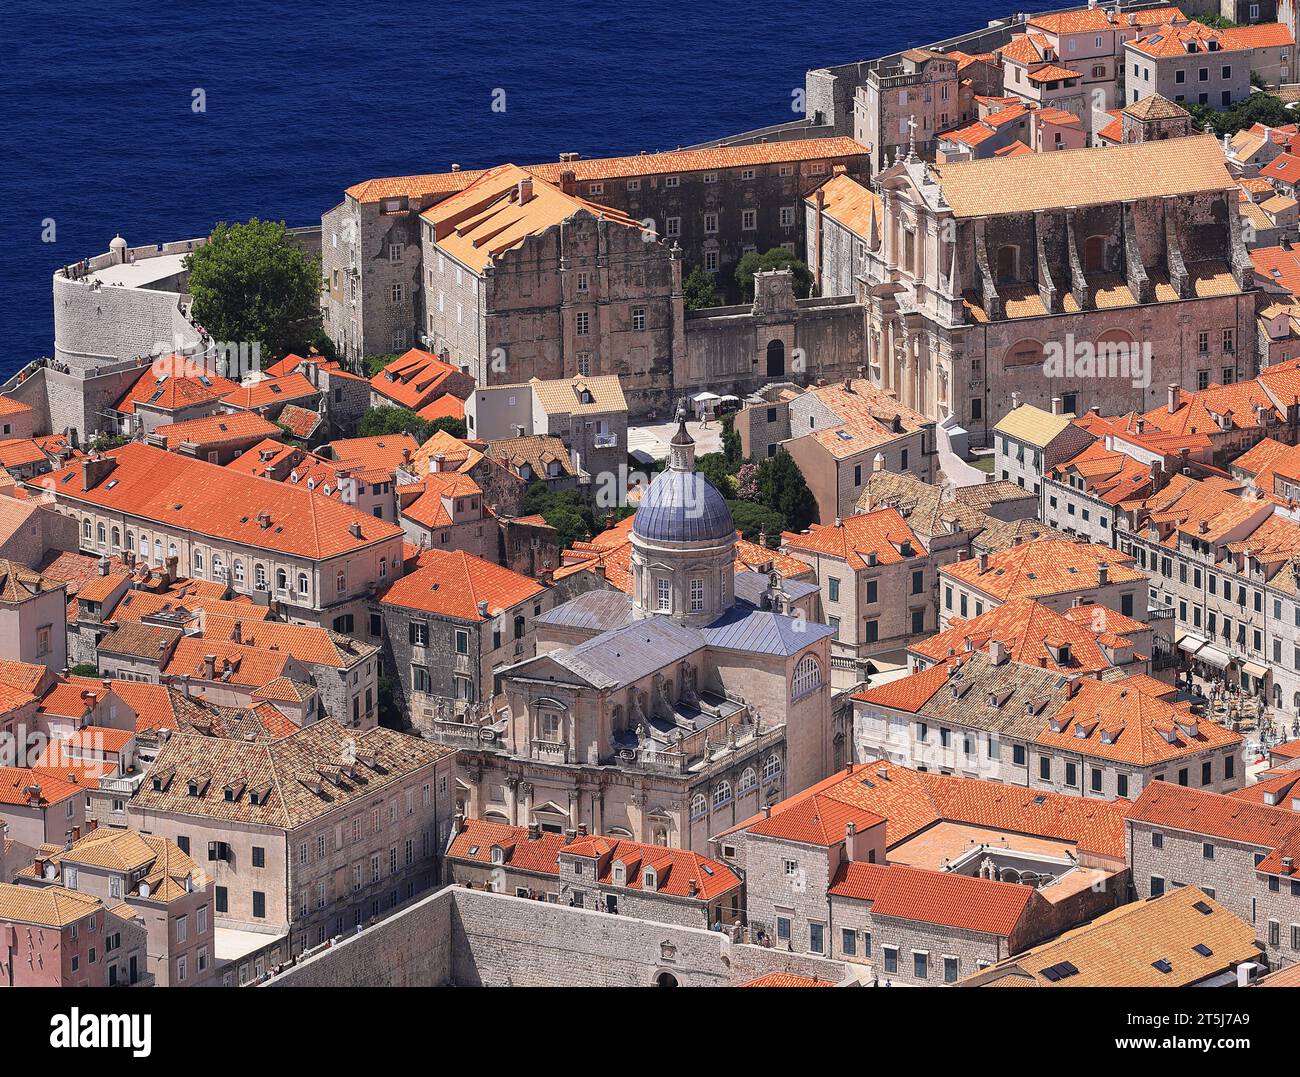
[665, 979]
[776, 358]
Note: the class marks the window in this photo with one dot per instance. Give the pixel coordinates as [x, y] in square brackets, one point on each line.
[221, 900]
[259, 856]
[697, 596]
[817, 938]
[663, 594]
[891, 958]
[848, 942]
[584, 323]
[638, 319]
[673, 227]
[748, 219]
[1207, 850]
[1157, 886]
[710, 224]
[833, 588]
[807, 676]
[710, 261]
[920, 964]
[950, 970]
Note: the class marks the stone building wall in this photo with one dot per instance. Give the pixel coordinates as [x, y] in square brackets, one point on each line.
[476, 938]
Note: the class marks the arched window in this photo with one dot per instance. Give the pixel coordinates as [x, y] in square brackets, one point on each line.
[772, 767]
[699, 806]
[198, 563]
[259, 577]
[281, 580]
[341, 581]
[218, 567]
[807, 677]
[100, 534]
[87, 529]
[130, 540]
[383, 567]
[171, 549]
[722, 793]
[144, 545]
[302, 583]
[748, 781]
[239, 570]
[157, 550]
[117, 539]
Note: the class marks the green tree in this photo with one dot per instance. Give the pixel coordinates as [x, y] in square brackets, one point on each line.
[564, 510]
[454, 427]
[106, 442]
[1262, 108]
[379, 421]
[373, 364]
[1214, 22]
[715, 467]
[731, 440]
[751, 518]
[85, 669]
[776, 258]
[781, 488]
[252, 283]
[700, 289]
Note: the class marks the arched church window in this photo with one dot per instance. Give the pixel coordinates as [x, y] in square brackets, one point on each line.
[807, 677]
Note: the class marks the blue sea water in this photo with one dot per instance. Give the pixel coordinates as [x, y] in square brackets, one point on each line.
[303, 99]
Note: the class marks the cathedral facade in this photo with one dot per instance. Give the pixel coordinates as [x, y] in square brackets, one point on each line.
[667, 715]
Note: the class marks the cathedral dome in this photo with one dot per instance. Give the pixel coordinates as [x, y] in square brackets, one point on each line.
[682, 506]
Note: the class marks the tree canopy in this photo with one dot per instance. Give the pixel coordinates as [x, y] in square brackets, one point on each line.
[781, 488]
[377, 422]
[1262, 108]
[776, 258]
[700, 289]
[252, 283]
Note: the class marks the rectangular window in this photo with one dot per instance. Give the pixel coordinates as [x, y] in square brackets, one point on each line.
[638, 319]
[584, 323]
[664, 595]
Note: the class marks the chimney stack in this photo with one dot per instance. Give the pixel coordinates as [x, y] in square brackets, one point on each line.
[984, 562]
[569, 182]
[1103, 574]
[95, 469]
[525, 189]
[210, 666]
[1172, 404]
[1056, 405]
[237, 632]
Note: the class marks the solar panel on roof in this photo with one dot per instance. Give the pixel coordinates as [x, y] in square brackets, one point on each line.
[1069, 968]
[1050, 973]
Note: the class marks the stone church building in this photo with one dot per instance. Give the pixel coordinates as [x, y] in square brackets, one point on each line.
[664, 715]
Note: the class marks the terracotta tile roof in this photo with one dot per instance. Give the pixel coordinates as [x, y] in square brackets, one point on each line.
[1084, 177]
[177, 491]
[1043, 567]
[1260, 35]
[169, 386]
[949, 899]
[857, 879]
[443, 407]
[292, 362]
[1091, 19]
[675, 869]
[299, 421]
[74, 697]
[786, 979]
[1191, 38]
[414, 379]
[42, 789]
[538, 452]
[169, 873]
[21, 452]
[540, 855]
[1053, 73]
[10, 407]
[816, 820]
[294, 780]
[385, 453]
[1033, 635]
[307, 643]
[18, 583]
[184, 601]
[1125, 947]
[1277, 267]
[248, 666]
[849, 203]
[457, 455]
[47, 906]
[1108, 475]
[138, 640]
[910, 801]
[1179, 807]
[270, 391]
[1114, 720]
[909, 693]
[599, 168]
[216, 429]
[25, 676]
[882, 532]
[453, 583]
[1285, 167]
[423, 502]
[566, 395]
[489, 218]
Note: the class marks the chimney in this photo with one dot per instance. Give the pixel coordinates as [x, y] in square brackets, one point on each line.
[984, 562]
[878, 462]
[534, 831]
[437, 463]
[998, 653]
[569, 182]
[263, 519]
[767, 811]
[1015, 400]
[95, 469]
[170, 565]
[525, 189]
[1056, 405]
[1103, 574]
[38, 866]
[103, 565]
[455, 166]
[210, 666]
[237, 632]
[458, 823]
[695, 888]
[354, 529]
[483, 608]
[1172, 405]
[582, 830]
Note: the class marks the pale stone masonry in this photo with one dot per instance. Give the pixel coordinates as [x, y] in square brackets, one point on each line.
[307, 836]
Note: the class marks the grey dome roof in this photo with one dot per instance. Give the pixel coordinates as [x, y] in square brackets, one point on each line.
[682, 506]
